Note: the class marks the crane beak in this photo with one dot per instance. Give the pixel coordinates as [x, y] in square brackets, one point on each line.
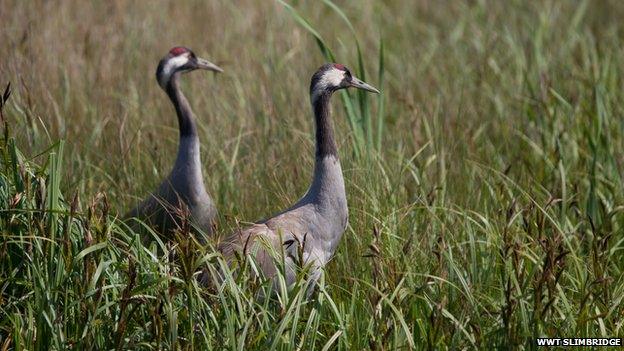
[207, 65]
[356, 83]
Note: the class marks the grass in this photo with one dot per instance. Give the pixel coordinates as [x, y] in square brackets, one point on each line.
[484, 186]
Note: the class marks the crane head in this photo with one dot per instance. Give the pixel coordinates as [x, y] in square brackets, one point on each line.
[181, 59]
[334, 76]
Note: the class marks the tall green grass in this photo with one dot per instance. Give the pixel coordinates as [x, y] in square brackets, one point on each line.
[75, 277]
[491, 216]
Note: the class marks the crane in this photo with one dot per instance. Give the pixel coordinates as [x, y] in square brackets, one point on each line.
[310, 230]
[182, 194]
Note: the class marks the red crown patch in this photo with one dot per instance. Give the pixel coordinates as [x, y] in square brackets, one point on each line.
[178, 50]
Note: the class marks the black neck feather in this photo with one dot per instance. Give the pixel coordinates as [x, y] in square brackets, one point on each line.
[325, 143]
[186, 118]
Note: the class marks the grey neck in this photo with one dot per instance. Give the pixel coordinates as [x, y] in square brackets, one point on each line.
[186, 118]
[188, 163]
[327, 189]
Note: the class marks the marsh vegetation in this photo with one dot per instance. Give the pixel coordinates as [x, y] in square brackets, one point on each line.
[484, 184]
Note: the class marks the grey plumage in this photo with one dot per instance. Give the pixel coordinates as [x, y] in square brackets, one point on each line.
[313, 226]
[181, 197]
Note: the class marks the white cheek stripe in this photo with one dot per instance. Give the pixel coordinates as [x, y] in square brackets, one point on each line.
[331, 78]
[171, 66]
